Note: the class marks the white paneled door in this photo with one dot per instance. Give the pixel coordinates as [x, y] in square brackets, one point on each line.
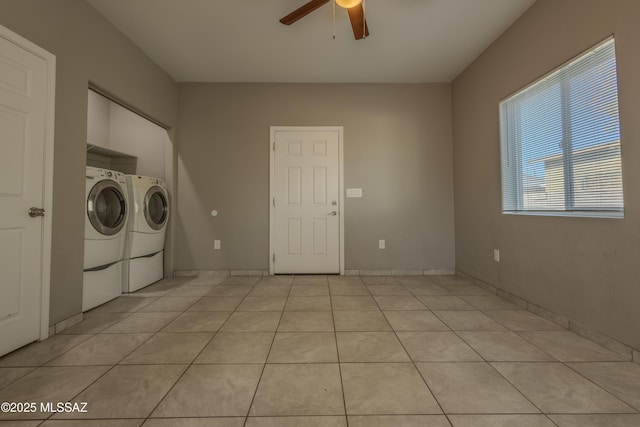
[306, 201]
[23, 120]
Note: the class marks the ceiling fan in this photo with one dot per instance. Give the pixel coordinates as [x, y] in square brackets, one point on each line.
[354, 8]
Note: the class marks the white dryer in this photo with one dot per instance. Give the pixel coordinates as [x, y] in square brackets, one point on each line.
[146, 230]
[106, 216]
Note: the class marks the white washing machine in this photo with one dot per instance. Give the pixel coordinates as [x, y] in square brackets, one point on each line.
[146, 229]
[106, 217]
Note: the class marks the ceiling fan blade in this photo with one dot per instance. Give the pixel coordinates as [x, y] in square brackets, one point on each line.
[358, 22]
[303, 11]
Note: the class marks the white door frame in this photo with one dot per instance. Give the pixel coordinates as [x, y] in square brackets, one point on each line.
[45, 274]
[273, 130]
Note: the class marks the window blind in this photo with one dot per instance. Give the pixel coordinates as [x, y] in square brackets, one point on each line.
[560, 140]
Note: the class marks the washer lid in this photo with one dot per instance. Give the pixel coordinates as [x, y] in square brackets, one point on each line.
[107, 207]
[156, 207]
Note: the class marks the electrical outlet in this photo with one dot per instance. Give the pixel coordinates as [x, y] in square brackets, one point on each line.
[216, 244]
[381, 244]
[496, 255]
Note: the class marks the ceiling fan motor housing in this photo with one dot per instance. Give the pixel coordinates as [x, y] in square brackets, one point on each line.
[348, 4]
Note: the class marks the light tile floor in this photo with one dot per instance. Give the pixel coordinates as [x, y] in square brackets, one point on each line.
[320, 351]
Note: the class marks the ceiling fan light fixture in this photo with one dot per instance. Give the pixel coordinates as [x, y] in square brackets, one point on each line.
[348, 4]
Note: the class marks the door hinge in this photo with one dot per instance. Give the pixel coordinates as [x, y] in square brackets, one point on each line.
[274, 202]
[274, 146]
[274, 258]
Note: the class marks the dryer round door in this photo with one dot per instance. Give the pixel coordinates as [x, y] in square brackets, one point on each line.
[156, 208]
[107, 207]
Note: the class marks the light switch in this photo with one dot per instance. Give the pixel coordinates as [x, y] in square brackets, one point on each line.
[354, 192]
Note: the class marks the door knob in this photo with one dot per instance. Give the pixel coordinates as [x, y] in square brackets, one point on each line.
[333, 213]
[34, 212]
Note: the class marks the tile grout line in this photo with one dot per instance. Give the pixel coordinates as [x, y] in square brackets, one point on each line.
[490, 363]
[493, 368]
[335, 336]
[614, 395]
[562, 321]
[395, 333]
[456, 332]
[499, 373]
[153, 334]
[568, 413]
[264, 365]
[566, 364]
[93, 335]
[194, 359]
[112, 367]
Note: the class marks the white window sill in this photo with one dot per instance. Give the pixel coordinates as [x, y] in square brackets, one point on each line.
[570, 214]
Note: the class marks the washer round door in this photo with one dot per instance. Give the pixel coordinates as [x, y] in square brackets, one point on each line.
[156, 208]
[107, 207]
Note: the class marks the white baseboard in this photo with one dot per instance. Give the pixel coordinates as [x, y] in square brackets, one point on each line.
[400, 272]
[249, 272]
[582, 330]
[384, 272]
[219, 273]
[65, 324]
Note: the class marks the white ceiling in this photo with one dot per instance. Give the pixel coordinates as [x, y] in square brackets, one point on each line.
[242, 40]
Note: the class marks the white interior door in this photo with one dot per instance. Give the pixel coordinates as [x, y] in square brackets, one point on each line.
[306, 211]
[23, 117]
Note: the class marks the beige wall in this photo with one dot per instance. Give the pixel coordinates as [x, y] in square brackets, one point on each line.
[88, 49]
[397, 148]
[583, 268]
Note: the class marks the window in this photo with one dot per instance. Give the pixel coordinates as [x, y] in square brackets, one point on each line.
[560, 140]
